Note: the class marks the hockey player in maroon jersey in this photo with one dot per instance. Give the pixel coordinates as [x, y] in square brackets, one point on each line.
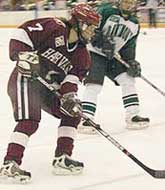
[56, 50]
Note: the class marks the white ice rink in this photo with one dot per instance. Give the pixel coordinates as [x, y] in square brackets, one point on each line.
[106, 167]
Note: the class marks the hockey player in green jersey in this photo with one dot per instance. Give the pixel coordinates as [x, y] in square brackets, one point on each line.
[117, 34]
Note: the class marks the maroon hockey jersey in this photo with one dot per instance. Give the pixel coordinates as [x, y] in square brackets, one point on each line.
[60, 63]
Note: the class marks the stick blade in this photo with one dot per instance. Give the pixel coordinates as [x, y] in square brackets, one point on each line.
[159, 174]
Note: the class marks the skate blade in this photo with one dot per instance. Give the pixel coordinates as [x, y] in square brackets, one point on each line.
[137, 126]
[65, 171]
[15, 179]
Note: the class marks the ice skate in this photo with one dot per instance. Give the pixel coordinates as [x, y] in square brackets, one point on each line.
[10, 170]
[137, 122]
[85, 128]
[64, 165]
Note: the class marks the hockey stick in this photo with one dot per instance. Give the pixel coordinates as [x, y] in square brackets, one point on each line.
[118, 57]
[152, 172]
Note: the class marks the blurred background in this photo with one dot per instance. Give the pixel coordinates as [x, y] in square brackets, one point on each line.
[21, 5]
[151, 13]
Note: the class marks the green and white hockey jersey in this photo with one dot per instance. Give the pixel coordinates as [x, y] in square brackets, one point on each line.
[123, 31]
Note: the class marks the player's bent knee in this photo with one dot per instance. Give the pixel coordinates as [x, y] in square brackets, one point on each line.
[70, 121]
[124, 79]
[27, 127]
[93, 88]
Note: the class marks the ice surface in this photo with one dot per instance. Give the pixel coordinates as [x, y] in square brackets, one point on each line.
[106, 167]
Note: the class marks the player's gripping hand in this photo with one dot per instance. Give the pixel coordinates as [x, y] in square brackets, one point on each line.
[28, 63]
[97, 39]
[134, 69]
[103, 42]
[108, 47]
[71, 105]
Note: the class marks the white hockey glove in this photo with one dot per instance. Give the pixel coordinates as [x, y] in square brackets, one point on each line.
[71, 105]
[28, 63]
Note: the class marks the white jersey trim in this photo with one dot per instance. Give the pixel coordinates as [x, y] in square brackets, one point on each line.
[22, 36]
[25, 97]
[19, 138]
[19, 96]
[67, 131]
[72, 79]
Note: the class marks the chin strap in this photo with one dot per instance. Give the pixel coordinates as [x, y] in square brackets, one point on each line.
[77, 28]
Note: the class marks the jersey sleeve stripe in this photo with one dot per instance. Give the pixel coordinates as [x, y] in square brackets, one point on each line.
[21, 35]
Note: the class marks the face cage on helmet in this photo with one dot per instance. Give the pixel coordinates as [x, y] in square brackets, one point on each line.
[79, 28]
[79, 32]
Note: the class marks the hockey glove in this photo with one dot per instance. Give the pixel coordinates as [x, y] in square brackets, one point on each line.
[28, 63]
[134, 69]
[105, 43]
[108, 47]
[97, 39]
[71, 105]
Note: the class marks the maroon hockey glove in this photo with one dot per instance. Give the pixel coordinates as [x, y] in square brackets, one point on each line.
[71, 105]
